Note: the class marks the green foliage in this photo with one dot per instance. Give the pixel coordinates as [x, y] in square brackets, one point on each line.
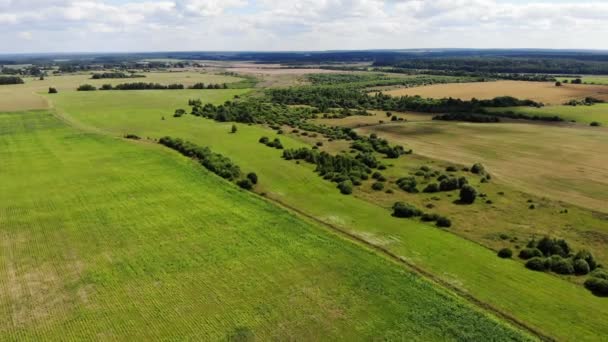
[253, 177]
[468, 194]
[346, 187]
[86, 87]
[407, 184]
[561, 265]
[426, 217]
[179, 113]
[478, 169]
[444, 222]
[378, 186]
[588, 257]
[245, 184]
[581, 267]
[147, 86]
[405, 210]
[105, 75]
[598, 286]
[214, 162]
[505, 253]
[53, 90]
[431, 188]
[10, 80]
[233, 129]
[528, 253]
[536, 264]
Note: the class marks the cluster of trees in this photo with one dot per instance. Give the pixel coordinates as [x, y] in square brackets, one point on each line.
[132, 86]
[587, 101]
[535, 65]
[214, 162]
[276, 143]
[523, 116]
[382, 146]
[326, 97]
[252, 111]
[368, 80]
[556, 255]
[467, 117]
[477, 76]
[10, 80]
[98, 76]
[201, 85]
[344, 169]
[405, 210]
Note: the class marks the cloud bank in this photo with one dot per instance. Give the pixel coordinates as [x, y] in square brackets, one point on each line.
[148, 25]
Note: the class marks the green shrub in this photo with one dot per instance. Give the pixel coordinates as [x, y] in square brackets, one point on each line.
[468, 194]
[86, 87]
[264, 140]
[431, 188]
[478, 168]
[53, 90]
[443, 222]
[588, 257]
[505, 253]
[536, 264]
[528, 253]
[560, 265]
[253, 177]
[378, 186]
[597, 286]
[600, 273]
[451, 169]
[429, 217]
[401, 209]
[581, 267]
[407, 184]
[346, 187]
[245, 184]
[595, 124]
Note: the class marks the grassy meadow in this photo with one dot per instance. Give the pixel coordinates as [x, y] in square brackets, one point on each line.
[27, 96]
[581, 114]
[127, 240]
[544, 302]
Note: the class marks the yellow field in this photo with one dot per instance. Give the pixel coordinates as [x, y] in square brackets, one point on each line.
[562, 163]
[27, 96]
[545, 92]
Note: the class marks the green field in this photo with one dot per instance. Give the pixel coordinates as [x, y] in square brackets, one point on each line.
[28, 96]
[108, 239]
[583, 114]
[588, 79]
[544, 302]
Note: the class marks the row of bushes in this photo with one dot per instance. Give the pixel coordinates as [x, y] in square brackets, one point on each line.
[276, 143]
[587, 101]
[405, 210]
[373, 143]
[99, 76]
[10, 80]
[132, 86]
[214, 162]
[201, 85]
[467, 117]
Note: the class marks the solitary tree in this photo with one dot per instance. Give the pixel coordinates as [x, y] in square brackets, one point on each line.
[468, 194]
[233, 129]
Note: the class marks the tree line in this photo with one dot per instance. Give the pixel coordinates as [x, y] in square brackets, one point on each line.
[98, 76]
[10, 80]
[214, 162]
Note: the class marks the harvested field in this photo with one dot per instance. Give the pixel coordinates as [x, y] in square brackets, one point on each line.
[544, 92]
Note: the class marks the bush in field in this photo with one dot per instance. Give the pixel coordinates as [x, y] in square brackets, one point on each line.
[429, 217]
[179, 113]
[443, 222]
[245, 184]
[86, 87]
[53, 90]
[407, 184]
[600, 273]
[478, 169]
[378, 186]
[11, 80]
[233, 129]
[536, 264]
[560, 265]
[264, 140]
[505, 253]
[597, 286]
[595, 124]
[468, 194]
[451, 169]
[528, 253]
[106, 87]
[346, 187]
[401, 209]
[581, 267]
[588, 257]
[431, 188]
[253, 177]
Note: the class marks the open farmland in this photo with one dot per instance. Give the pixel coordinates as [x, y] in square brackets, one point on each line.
[545, 92]
[563, 163]
[447, 257]
[131, 241]
[584, 114]
[28, 96]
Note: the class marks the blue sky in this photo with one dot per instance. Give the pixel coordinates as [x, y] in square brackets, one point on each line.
[149, 25]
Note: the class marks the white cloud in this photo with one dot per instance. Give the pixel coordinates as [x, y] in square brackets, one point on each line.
[298, 24]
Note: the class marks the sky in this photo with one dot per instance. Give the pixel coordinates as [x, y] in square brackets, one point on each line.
[30, 26]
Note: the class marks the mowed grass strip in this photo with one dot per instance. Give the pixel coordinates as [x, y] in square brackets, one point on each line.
[116, 240]
[545, 92]
[554, 306]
